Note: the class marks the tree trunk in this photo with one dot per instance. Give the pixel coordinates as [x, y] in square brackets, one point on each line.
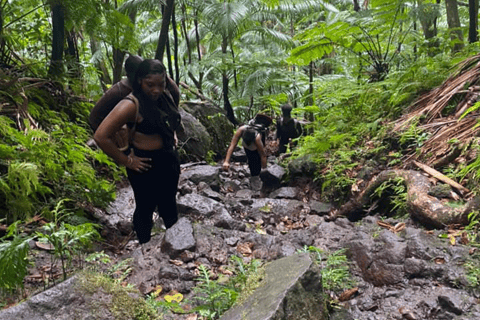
[185, 34]
[226, 102]
[199, 52]
[118, 57]
[421, 206]
[356, 5]
[103, 75]
[73, 57]
[175, 47]
[162, 38]
[473, 21]
[428, 23]
[58, 39]
[454, 25]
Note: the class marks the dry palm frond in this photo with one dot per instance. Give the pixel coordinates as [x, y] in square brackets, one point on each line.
[463, 86]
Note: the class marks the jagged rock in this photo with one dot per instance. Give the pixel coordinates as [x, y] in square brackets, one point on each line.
[380, 259]
[319, 208]
[202, 173]
[214, 120]
[196, 205]
[284, 193]
[272, 176]
[68, 300]
[302, 166]
[231, 185]
[194, 140]
[224, 220]
[209, 193]
[256, 183]
[245, 193]
[179, 238]
[292, 289]
[239, 155]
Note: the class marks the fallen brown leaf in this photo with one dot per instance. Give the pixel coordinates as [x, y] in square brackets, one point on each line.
[384, 225]
[347, 294]
[407, 314]
[45, 246]
[439, 260]
[452, 239]
[464, 238]
[245, 248]
[399, 227]
[176, 262]
[225, 271]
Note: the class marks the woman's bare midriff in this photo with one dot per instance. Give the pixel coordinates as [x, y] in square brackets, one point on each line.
[147, 141]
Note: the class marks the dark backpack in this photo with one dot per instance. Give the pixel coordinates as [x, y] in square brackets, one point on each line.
[290, 129]
[260, 128]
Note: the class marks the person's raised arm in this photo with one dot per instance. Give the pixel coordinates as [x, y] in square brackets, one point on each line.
[233, 144]
[261, 151]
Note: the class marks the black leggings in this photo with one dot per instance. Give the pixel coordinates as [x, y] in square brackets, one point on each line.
[156, 187]
[254, 161]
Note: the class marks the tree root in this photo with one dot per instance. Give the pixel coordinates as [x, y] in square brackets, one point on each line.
[425, 208]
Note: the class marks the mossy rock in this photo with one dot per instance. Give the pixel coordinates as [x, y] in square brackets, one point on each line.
[214, 120]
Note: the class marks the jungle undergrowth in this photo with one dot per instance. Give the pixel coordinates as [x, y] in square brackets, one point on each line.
[214, 293]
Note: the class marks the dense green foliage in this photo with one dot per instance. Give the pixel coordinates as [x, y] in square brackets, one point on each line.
[347, 73]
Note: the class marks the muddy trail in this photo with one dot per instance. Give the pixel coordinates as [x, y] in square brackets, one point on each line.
[398, 268]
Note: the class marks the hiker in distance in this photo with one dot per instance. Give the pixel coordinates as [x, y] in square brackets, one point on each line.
[288, 128]
[253, 140]
[152, 163]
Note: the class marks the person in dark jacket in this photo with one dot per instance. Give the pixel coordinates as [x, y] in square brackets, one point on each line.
[288, 128]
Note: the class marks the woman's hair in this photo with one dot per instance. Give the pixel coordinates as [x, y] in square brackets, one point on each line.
[146, 68]
[249, 135]
[131, 66]
[286, 110]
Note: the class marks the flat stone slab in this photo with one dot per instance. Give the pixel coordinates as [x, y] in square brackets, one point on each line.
[292, 289]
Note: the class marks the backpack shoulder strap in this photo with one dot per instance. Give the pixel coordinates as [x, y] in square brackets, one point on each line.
[131, 132]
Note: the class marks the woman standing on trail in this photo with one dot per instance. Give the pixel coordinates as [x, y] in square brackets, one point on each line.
[152, 163]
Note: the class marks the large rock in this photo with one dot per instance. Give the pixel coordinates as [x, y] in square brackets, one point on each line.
[214, 120]
[203, 173]
[194, 140]
[198, 206]
[76, 298]
[292, 290]
[179, 238]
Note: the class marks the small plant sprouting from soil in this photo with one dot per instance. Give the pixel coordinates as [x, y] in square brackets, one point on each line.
[335, 268]
[216, 293]
[67, 240]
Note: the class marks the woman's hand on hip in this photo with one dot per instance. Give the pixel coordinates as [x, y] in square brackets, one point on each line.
[137, 163]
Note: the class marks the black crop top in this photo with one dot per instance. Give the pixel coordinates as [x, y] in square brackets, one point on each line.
[165, 122]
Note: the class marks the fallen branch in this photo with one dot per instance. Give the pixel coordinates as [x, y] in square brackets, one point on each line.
[420, 205]
[434, 173]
